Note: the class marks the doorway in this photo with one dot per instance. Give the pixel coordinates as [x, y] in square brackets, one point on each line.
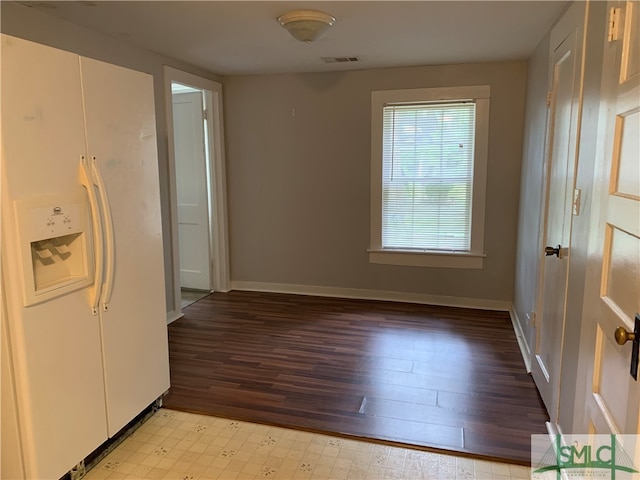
[197, 187]
[192, 173]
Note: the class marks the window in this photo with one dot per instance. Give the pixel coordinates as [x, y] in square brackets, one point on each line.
[429, 156]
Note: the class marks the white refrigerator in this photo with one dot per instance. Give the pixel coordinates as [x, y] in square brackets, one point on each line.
[84, 335]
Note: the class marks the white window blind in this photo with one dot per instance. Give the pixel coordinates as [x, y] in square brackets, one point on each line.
[428, 152]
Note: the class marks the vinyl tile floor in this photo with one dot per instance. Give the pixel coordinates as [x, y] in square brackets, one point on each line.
[184, 446]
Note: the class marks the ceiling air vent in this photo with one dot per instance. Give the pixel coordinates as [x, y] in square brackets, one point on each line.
[340, 59]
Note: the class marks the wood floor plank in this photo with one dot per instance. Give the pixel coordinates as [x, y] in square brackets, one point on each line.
[427, 376]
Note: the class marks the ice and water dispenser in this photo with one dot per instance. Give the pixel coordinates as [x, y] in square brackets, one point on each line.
[55, 245]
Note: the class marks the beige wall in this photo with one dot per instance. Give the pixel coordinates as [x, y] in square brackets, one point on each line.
[32, 24]
[298, 165]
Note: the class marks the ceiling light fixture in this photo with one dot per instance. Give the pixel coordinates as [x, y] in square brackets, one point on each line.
[306, 25]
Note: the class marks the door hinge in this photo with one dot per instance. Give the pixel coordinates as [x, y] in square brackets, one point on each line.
[614, 21]
[549, 97]
[205, 114]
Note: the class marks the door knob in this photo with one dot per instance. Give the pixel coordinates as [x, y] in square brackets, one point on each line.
[548, 251]
[622, 336]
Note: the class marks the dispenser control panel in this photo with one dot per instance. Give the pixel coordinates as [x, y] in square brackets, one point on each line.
[55, 220]
[55, 243]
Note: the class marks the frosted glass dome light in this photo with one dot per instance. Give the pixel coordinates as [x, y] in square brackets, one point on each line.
[306, 25]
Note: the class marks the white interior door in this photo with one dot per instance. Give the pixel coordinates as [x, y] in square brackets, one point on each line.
[192, 191]
[563, 124]
[612, 295]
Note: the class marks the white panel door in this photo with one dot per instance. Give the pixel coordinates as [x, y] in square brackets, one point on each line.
[55, 345]
[192, 191]
[563, 118]
[121, 134]
[612, 296]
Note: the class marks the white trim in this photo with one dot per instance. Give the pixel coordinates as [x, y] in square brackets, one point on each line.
[481, 94]
[554, 429]
[180, 88]
[522, 341]
[433, 94]
[365, 294]
[427, 258]
[173, 316]
[219, 241]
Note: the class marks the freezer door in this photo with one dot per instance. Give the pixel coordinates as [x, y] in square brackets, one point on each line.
[121, 135]
[54, 346]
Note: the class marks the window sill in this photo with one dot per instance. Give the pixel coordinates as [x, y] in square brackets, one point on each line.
[427, 258]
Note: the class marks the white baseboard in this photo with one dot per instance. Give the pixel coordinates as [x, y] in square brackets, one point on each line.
[522, 341]
[364, 294]
[553, 429]
[173, 316]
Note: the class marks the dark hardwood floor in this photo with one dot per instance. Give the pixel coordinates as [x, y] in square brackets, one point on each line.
[432, 377]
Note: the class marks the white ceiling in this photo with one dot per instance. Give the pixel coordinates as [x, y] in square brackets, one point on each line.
[243, 37]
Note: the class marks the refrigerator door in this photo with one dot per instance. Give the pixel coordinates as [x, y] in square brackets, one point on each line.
[121, 135]
[54, 345]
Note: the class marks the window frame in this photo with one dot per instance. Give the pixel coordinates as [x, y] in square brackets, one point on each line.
[474, 257]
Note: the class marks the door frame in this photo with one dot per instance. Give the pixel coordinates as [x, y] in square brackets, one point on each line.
[573, 21]
[593, 16]
[218, 231]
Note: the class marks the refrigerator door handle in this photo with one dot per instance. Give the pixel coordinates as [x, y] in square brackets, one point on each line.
[95, 289]
[108, 235]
